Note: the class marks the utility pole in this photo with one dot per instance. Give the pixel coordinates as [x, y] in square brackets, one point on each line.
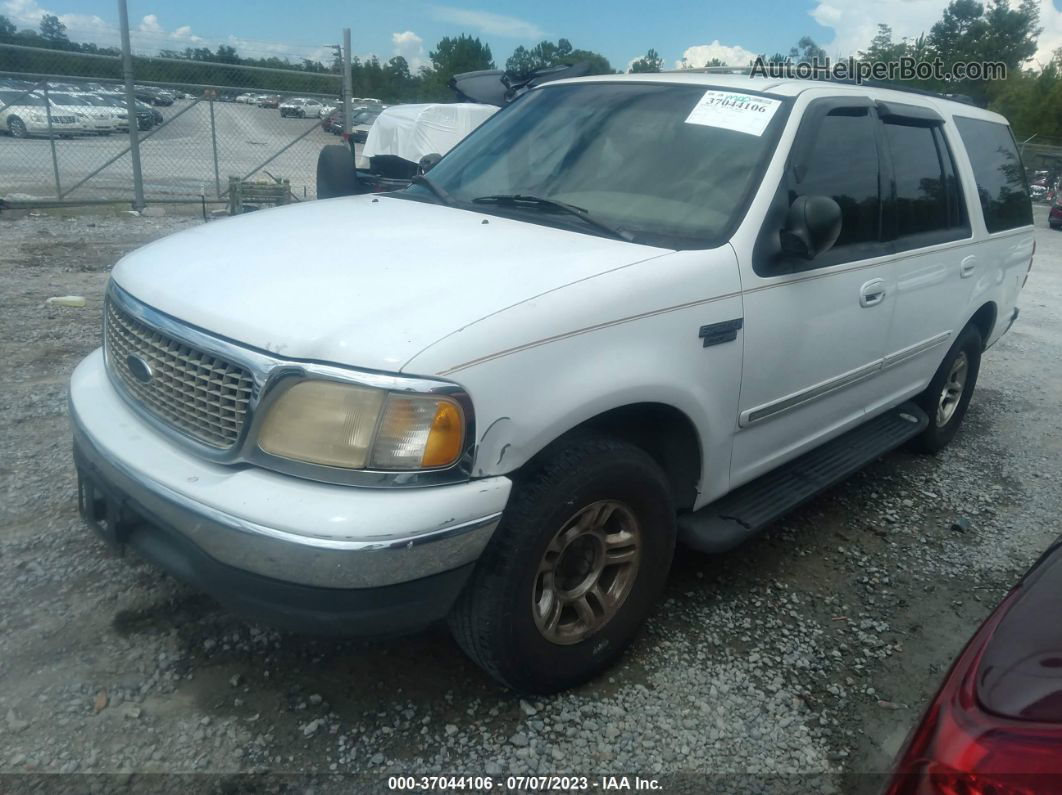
[346, 81]
[130, 103]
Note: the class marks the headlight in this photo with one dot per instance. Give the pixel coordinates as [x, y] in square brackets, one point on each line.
[354, 427]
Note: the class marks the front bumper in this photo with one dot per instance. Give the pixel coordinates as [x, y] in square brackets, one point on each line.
[274, 545]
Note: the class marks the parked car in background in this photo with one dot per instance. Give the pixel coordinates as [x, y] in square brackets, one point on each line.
[301, 107]
[269, 101]
[361, 123]
[398, 139]
[247, 99]
[26, 114]
[154, 96]
[95, 119]
[106, 104]
[995, 725]
[1054, 217]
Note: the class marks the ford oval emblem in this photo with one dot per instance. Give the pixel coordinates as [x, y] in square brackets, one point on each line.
[138, 368]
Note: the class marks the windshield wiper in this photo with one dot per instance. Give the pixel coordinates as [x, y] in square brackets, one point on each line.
[440, 192]
[517, 199]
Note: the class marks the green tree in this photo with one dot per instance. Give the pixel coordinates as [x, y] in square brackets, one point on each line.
[882, 48]
[52, 30]
[524, 61]
[650, 62]
[451, 56]
[807, 51]
[454, 55]
[968, 32]
[7, 27]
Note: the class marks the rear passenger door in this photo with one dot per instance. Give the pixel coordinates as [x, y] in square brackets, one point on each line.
[926, 219]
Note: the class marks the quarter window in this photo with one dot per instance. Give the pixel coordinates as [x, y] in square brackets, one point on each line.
[998, 171]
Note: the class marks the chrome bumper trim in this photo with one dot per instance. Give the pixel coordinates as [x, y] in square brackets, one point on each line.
[308, 560]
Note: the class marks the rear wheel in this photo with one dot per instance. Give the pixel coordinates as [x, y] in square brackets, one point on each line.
[17, 127]
[574, 569]
[948, 395]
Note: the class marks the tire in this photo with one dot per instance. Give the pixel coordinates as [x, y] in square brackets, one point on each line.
[946, 411]
[17, 127]
[335, 173]
[507, 619]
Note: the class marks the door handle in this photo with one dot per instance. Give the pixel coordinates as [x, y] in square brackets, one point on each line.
[967, 267]
[872, 293]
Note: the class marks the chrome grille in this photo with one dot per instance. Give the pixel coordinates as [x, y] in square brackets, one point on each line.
[195, 392]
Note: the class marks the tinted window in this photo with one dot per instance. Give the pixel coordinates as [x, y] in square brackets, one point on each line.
[999, 174]
[843, 163]
[926, 191]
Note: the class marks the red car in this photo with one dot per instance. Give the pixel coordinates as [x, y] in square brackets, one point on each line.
[1054, 218]
[995, 726]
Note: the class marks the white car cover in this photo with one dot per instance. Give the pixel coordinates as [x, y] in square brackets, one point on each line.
[412, 131]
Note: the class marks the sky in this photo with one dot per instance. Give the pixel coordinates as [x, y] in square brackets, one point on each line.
[622, 30]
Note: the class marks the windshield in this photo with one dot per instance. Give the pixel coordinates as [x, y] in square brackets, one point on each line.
[19, 98]
[622, 152]
[66, 99]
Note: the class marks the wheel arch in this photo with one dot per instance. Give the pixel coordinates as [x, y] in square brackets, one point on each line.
[665, 432]
[984, 319]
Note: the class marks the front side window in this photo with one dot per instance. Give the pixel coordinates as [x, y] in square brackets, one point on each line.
[624, 153]
[842, 163]
[998, 171]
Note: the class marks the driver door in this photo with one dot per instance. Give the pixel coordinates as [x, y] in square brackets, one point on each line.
[815, 331]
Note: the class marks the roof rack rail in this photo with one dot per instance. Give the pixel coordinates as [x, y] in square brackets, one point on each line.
[746, 71]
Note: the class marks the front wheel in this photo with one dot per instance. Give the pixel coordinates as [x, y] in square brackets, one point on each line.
[574, 569]
[17, 127]
[948, 395]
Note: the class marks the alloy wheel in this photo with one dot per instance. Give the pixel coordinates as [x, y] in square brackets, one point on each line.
[587, 572]
[954, 386]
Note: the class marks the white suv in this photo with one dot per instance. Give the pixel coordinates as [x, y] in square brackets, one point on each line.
[627, 311]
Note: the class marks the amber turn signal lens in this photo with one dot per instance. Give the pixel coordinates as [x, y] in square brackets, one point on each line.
[444, 440]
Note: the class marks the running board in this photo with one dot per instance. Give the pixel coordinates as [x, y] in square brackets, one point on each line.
[738, 516]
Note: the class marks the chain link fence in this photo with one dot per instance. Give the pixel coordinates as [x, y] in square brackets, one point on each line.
[65, 118]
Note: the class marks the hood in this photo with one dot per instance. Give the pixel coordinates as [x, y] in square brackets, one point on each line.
[362, 281]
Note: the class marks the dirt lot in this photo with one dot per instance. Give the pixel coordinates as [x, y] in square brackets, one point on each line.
[807, 653]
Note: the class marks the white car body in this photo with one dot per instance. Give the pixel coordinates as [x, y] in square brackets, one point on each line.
[247, 99]
[544, 329]
[302, 107]
[413, 131]
[15, 107]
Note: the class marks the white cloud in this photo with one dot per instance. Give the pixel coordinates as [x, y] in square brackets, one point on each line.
[855, 22]
[411, 47]
[150, 35]
[489, 23]
[87, 27]
[700, 54]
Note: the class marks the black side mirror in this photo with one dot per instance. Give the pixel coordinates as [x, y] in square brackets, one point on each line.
[428, 162]
[812, 226]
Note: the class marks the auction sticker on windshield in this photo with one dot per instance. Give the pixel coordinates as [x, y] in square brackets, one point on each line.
[732, 110]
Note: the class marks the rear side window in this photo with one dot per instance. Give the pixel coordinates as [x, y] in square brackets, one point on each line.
[843, 164]
[999, 174]
[926, 201]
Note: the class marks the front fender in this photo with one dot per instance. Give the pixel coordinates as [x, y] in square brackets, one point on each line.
[631, 335]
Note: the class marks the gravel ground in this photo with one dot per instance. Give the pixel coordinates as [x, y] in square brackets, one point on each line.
[807, 653]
